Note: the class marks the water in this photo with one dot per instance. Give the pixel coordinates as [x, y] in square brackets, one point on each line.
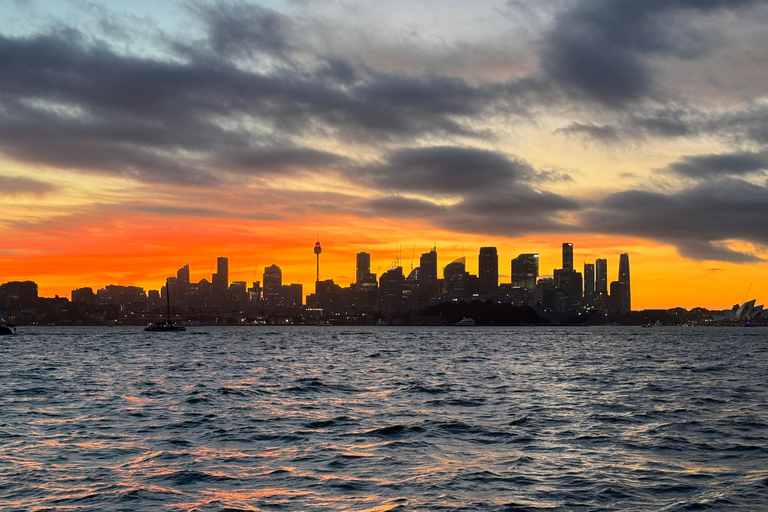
[377, 419]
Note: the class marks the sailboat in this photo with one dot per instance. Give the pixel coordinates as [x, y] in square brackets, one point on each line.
[167, 325]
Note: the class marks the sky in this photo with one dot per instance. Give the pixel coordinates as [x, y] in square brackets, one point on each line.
[136, 137]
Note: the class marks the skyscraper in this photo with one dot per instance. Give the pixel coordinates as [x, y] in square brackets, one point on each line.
[625, 301]
[589, 281]
[601, 276]
[182, 275]
[488, 273]
[220, 280]
[273, 281]
[428, 284]
[391, 289]
[525, 271]
[567, 257]
[455, 279]
[363, 267]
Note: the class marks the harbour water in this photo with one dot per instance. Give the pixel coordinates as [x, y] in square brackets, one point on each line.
[378, 419]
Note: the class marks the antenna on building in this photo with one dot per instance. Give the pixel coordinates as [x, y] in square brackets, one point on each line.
[413, 255]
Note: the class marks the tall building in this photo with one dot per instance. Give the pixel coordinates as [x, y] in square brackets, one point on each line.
[273, 281]
[589, 281]
[182, 275]
[488, 273]
[220, 280]
[625, 300]
[366, 285]
[601, 276]
[568, 257]
[363, 267]
[428, 284]
[391, 290]
[525, 271]
[455, 279]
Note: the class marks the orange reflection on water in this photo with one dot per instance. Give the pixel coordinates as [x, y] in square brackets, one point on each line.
[241, 498]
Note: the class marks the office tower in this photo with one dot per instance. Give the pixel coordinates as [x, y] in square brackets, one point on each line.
[589, 281]
[220, 280]
[625, 300]
[428, 284]
[488, 273]
[363, 267]
[455, 279]
[273, 281]
[525, 271]
[391, 285]
[182, 275]
[601, 276]
[567, 257]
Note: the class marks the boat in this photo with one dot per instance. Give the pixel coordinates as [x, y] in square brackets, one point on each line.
[167, 325]
[6, 328]
[466, 322]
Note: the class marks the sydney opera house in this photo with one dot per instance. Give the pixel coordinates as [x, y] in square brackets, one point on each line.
[748, 311]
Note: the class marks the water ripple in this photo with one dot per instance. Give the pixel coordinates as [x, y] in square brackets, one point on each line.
[384, 419]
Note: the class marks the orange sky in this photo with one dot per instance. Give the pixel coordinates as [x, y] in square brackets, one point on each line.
[141, 252]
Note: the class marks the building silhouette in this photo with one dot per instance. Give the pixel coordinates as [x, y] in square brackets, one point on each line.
[589, 283]
[391, 290]
[272, 282]
[429, 286]
[601, 276]
[488, 273]
[363, 267]
[568, 257]
[525, 271]
[624, 298]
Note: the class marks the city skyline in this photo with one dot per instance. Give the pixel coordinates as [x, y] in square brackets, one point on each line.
[139, 136]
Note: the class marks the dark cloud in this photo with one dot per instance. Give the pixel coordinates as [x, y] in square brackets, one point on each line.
[600, 48]
[17, 185]
[698, 221]
[68, 102]
[729, 164]
[239, 29]
[491, 192]
[446, 170]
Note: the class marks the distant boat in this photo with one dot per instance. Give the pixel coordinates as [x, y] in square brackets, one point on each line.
[466, 322]
[168, 325]
[6, 328]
